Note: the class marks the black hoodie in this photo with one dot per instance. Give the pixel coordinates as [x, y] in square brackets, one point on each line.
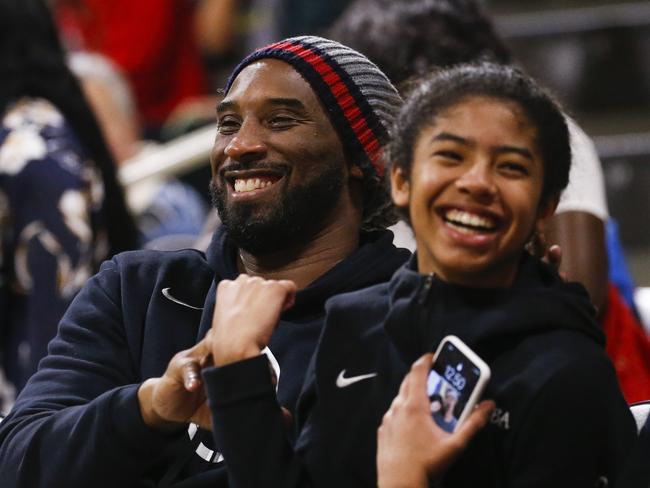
[77, 423]
[560, 419]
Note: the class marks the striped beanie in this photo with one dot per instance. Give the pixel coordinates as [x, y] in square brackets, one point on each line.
[360, 100]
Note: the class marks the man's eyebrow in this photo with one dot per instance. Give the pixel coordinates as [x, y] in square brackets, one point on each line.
[227, 105]
[287, 102]
[280, 102]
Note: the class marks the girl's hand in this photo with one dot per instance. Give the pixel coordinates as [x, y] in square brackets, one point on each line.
[411, 447]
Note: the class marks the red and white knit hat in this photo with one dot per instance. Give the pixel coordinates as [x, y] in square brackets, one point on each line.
[360, 100]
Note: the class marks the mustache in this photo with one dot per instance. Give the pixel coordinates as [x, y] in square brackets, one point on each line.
[257, 165]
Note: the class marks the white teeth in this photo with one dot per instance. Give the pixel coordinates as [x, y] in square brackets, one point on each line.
[467, 219]
[250, 184]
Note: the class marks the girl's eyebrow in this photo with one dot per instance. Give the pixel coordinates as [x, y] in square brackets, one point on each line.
[522, 151]
[446, 136]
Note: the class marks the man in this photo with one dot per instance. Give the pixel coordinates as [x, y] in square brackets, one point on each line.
[298, 183]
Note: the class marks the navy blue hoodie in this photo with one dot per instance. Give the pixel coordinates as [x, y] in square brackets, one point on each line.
[77, 423]
[560, 421]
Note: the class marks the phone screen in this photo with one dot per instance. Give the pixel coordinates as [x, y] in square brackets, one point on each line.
[452, 378]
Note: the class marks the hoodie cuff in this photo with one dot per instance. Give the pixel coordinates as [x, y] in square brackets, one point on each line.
[238, 382]
[129, 425]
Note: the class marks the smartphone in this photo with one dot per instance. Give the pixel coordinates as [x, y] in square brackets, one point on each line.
[456, 381]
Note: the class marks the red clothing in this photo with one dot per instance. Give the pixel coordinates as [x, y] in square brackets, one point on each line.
[151, 40]
[628, 347]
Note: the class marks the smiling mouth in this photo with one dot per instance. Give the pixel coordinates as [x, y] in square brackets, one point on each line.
[244, 185]
[246, 181]
[468, 222]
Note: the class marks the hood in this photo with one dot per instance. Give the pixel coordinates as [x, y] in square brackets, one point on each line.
[373, 262]
[424, 309]
[222, 255]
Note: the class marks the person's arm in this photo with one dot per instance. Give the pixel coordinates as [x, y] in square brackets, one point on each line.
[577, 431]
[579, 222]
[215, 23]
[78, 422]
[249, 427]
[581, 236]
[411, 447]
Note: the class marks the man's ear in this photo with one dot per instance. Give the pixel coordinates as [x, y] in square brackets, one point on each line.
[400, 189]
[355, 172]
[545, 213]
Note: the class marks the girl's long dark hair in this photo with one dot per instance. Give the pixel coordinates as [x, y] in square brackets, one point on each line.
[32, 63]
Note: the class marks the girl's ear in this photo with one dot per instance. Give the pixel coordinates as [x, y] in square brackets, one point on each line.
[400, 188]
[545, 212]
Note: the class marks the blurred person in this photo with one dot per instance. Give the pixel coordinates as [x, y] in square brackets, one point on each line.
[111, 98]
[61, 209]
[153, 43]
[299, 185]
[169, 213]
[408, 38]
[479, 155]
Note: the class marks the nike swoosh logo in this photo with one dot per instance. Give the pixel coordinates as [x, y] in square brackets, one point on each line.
[168, 296]
[342, 381]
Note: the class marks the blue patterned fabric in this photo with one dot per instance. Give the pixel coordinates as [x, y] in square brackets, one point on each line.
[52, 238]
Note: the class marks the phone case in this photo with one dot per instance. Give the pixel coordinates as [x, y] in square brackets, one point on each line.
[475, 360]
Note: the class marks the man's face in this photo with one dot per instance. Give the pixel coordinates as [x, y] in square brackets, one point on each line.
[278, 166]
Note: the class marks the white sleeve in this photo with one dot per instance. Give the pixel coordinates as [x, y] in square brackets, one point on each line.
[586, 189]
[403, 235]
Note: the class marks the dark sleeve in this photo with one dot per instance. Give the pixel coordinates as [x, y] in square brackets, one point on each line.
[578, 431]
[637, 469]
[78, 422]
[249, 428]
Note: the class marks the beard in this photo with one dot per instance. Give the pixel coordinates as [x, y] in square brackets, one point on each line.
[289, 223]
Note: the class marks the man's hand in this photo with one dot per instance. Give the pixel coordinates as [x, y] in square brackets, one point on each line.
[246, 313]
[177, 397]
[411, 447]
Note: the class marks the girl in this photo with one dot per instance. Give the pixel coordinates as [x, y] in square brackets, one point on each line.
[479, 157]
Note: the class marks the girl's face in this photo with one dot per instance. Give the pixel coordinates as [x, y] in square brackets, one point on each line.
[474, 192]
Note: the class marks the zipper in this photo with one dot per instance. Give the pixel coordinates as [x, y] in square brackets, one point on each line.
[426, 288]
[423, 312]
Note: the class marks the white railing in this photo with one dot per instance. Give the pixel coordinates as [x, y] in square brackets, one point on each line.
[573, 20]
[183, 154]
[623, 145]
